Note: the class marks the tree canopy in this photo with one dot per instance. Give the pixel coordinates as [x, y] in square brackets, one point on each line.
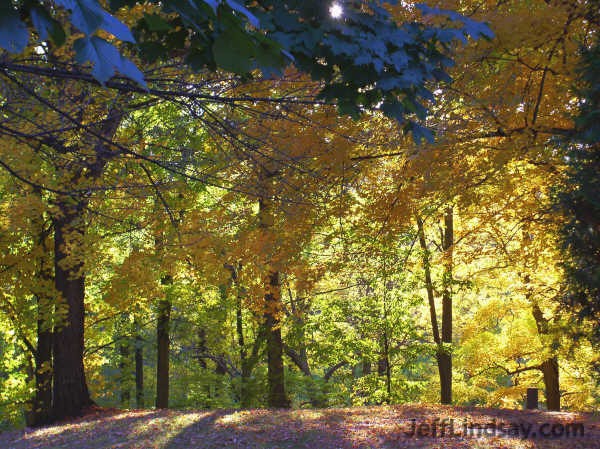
[220, 204]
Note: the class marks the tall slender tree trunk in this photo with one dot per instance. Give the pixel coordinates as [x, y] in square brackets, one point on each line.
[124, 372]
[239, 326]
[70, 392]
[388, 368]
[275, 373]
[162, 342]
[139, 367]
[445, 357]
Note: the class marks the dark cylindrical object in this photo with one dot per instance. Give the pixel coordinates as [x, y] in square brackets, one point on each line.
[532, 398]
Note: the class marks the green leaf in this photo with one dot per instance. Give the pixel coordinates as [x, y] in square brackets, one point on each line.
[87, 16]
[106, 59]
[48, 26]
[116, 28]
[156, 23]
[236, 6]
[233, 51]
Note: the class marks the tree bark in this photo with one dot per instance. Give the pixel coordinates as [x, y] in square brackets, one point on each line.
[275, 373]
[70, 391]
[201, 353]
[162, 341]
[124, 372]
[276, 395]
[445, 358]
[388, 367]
[365, 368]
[552, 384]
[139, 367]
[244, 393]
[549, 367]
[70, 395]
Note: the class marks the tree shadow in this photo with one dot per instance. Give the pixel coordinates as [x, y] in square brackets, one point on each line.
[363, 428]
[354, 428]
[301, 429]
[120, 429]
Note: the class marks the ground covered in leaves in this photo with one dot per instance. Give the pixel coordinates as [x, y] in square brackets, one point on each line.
[411, 426]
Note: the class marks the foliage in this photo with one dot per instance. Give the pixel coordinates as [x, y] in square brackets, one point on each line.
[232, 194]
[578, 199]
[366, 60]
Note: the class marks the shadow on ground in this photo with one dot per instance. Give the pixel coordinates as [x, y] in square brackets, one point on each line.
[365, 428]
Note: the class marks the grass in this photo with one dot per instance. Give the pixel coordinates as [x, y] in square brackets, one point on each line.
[362, 427]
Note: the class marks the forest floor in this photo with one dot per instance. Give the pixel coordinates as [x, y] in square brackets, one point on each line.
[435, 427]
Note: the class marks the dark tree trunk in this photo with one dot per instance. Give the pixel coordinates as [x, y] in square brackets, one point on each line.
[383, 370]
[388, 368]
[551, 382]
[70, 391]
[366, 367]
[381, 366]
[201, 355]
[275, 374]
[70, 395]
[139, 367]
[124, 372]
[162, 363]
[244, 393]
[444, 357]
[276, 396]
[548, 367]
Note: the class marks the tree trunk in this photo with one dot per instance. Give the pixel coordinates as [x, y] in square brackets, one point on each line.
[276, 396]
[365, 367]
[275, 374]
[388, 368]
[551, 382]
[548, 367]
[162, 340]
[445, 358]
[381, 363]
[70, 391]
[244, 396]
[201, 353]
[383, 370]
[124, 372]
[139, 367]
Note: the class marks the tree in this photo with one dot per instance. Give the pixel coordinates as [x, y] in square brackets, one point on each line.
[578, 200]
